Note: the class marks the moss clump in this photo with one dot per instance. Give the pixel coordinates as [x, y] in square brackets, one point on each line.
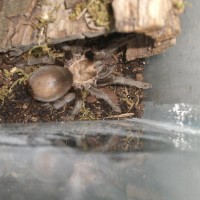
[44, 50]
[39, 51]
[86, 113]
[4, 92]
[99, 10]
[23, 77]
[180, 5]
[9, 84]
[77, 10]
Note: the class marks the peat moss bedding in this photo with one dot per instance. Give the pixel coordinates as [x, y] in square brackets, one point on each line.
[17, 105]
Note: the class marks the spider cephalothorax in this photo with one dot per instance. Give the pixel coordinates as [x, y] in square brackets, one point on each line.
[52, 83]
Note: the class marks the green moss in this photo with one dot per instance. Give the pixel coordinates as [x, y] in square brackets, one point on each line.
[39, 51]
[23, 78]
[44, 50]
[100, 11]
[84, 94]
[77, 10]
[86, 113]
[180, 5]
[9, 85]
[4, 92]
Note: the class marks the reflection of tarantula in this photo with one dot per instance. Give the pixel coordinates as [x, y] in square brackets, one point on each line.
[51, 83]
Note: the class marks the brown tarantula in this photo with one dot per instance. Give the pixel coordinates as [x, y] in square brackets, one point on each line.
[51, 83]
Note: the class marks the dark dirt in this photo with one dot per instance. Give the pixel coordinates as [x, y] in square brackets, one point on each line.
[19, 107]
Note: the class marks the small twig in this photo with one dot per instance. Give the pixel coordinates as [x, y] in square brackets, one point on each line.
[84, 10]
[125, 115]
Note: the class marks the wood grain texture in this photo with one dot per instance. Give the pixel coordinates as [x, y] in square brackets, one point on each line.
[26, 23]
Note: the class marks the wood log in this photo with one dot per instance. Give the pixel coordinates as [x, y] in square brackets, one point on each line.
[27, 23]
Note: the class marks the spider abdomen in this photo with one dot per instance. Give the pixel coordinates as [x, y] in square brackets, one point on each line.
[50, 83]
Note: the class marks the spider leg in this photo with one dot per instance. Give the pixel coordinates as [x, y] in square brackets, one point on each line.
[66, 99]
[119, 43]
[108, 52]
[102, 95]
[100, 55]
[73, 52]
[122, 81]
[103, 81]
[78, 103]
[103, 70]
[68, 54]
[79, 47]
[130, 82]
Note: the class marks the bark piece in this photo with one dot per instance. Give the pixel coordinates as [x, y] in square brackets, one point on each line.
[157, 20]
[26, 23]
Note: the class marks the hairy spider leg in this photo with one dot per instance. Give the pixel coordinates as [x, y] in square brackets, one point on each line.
[112, 80]
[78, 103]
[66, 99]
[102, 95]
[130, 82]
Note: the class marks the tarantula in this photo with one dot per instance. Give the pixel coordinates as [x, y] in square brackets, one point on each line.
[51, 83]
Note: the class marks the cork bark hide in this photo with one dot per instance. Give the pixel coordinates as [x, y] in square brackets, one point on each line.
[26, 23]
